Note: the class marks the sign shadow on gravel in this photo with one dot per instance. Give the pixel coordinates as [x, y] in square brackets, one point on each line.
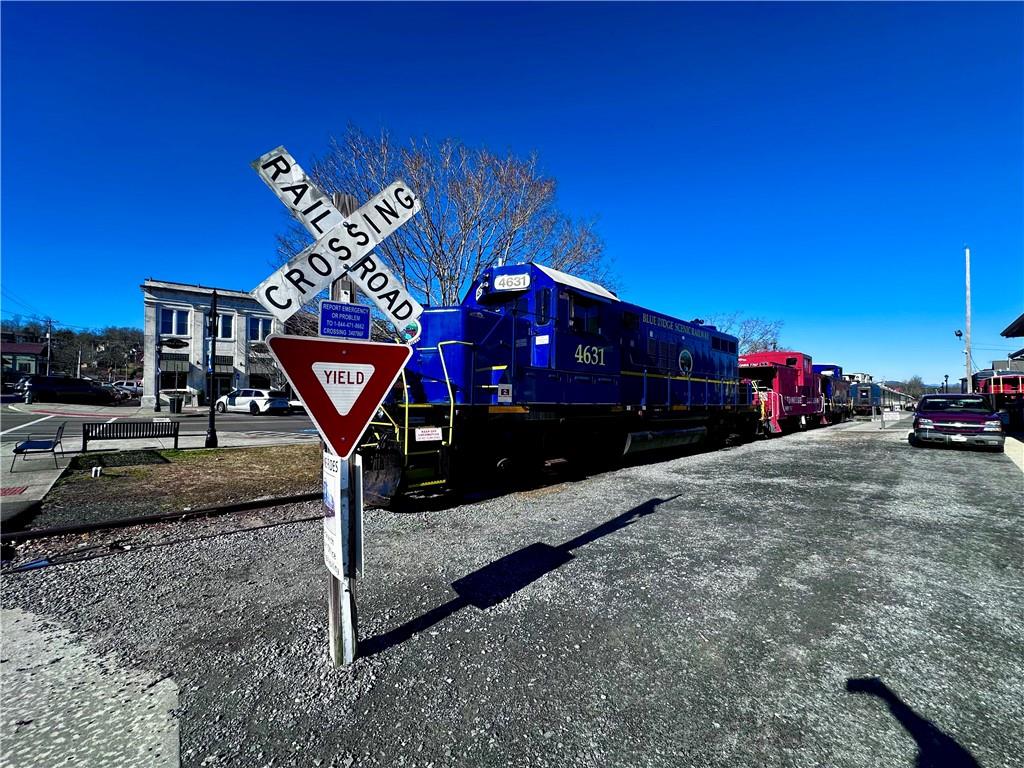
[935, 748]
[497, 581]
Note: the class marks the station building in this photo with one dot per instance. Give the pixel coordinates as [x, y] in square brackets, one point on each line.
[178, 350]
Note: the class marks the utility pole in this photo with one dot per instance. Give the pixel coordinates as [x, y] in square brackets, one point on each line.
[967, 362]
[343, 626]
[49, 342]
[78, 373]
[211, 432]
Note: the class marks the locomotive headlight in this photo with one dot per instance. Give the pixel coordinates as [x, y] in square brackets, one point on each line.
[993, 426]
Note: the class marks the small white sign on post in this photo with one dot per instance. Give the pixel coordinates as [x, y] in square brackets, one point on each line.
[333, 501]
[343, 551]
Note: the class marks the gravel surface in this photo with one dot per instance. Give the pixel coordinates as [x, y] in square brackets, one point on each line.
[707, 610]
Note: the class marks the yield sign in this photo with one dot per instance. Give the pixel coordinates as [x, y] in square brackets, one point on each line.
[341, 382]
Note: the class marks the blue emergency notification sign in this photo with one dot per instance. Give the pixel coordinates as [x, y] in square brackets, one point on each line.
[344, 321]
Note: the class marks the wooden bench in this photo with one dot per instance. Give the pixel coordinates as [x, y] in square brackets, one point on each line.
[40, 446]
[128, 430]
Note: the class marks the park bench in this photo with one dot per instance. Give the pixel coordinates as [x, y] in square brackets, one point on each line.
[128, 430]
[40, 446]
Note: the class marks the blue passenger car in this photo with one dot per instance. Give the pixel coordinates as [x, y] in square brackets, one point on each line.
[536, 364]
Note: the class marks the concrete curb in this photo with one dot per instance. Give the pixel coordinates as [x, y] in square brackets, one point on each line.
[1014, 448]
[124, 412]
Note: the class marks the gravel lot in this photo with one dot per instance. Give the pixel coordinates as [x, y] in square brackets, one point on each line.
[707, 610]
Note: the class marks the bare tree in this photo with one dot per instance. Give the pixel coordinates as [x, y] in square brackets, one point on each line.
[479, 209]
[914, 386]
[755, 334]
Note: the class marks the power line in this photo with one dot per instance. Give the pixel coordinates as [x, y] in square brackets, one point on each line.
[11, 297]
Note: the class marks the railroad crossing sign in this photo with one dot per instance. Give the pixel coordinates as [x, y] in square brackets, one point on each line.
[341, 382]
[343, 247]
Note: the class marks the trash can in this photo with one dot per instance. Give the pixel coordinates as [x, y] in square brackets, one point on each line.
[174, 404]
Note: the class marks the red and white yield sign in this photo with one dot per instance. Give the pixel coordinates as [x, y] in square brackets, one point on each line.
[341, 382]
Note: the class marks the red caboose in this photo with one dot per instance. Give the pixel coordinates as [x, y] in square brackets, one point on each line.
[786, 388]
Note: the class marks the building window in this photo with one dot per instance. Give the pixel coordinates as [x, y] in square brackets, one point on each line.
[259, 328]
[174, 322]
[226, 327]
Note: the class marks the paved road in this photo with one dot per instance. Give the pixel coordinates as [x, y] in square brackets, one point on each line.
[829, 598]
[17, 421]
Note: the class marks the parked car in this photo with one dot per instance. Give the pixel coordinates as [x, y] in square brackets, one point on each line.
[119, 395]
[255, 401]
[62, 389]
[957, 419]
[132, 387]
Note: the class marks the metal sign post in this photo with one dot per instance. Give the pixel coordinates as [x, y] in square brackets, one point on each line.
[342, 617]
[343, 548]
[336, 382]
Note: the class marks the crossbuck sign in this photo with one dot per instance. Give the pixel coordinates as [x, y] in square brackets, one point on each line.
[343, 247]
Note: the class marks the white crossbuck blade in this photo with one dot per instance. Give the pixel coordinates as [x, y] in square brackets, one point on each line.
[343, 247]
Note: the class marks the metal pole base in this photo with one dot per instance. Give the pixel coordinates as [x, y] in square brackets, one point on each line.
[341, 608]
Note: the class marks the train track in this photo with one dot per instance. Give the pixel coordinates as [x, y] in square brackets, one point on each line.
[46, 547]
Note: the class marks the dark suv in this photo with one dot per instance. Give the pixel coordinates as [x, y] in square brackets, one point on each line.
[62, 389]
[957, 420]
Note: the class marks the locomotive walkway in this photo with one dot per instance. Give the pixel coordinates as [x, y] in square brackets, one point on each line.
[828, 598]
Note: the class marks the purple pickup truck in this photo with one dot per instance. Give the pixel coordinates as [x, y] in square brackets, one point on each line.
[957, 419]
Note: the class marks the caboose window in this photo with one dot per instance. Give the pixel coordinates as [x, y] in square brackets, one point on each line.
[790, 361]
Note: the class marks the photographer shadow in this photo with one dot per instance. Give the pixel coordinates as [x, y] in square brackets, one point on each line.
[499, 580]
[935, 748]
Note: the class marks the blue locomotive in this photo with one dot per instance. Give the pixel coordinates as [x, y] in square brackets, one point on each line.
[536, 364]
[867, 397]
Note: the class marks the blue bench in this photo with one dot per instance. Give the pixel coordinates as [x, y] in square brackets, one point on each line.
[40, 446]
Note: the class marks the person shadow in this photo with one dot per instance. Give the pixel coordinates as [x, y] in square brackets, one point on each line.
[935, 749]
[502, 578]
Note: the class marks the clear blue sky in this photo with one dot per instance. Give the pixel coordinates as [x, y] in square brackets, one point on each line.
[721, 146]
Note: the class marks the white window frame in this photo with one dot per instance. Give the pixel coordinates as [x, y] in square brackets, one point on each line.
[220, 327]
[174, 321]
[264, 323]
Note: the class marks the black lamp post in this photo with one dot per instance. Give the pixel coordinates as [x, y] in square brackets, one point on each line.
[211, 432]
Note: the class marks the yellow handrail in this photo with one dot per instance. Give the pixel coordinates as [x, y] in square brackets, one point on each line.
[405, 432]
[448, 384]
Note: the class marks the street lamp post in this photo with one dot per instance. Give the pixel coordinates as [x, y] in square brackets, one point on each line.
[211, 432]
